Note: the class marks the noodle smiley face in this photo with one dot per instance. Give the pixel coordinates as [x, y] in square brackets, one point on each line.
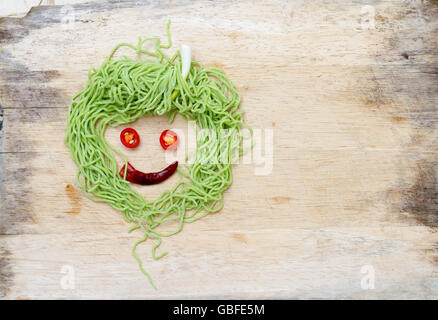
[123, 90]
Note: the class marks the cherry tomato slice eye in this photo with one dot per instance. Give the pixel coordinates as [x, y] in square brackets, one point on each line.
[129, 138]
[168, 140]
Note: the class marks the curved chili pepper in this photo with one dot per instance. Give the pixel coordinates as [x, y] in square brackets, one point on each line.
[138, 177]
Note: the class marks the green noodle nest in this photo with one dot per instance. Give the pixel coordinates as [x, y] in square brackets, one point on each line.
[122, 91]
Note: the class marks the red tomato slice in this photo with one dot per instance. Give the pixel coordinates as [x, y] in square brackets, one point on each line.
[129, 138]
[168, 140]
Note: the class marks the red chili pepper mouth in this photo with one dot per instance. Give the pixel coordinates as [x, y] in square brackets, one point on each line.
[142, 178]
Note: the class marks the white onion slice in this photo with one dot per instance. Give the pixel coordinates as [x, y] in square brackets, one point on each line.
[186, 58]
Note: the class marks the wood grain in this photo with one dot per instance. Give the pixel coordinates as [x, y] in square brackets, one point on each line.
[354, 182]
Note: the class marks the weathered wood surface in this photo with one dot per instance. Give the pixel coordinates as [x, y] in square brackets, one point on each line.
[19, 8]
[354, 183]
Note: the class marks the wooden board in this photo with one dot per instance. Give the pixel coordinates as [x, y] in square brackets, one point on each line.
[354, 182]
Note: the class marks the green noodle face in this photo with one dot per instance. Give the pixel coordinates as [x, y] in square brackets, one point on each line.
[122, 91]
